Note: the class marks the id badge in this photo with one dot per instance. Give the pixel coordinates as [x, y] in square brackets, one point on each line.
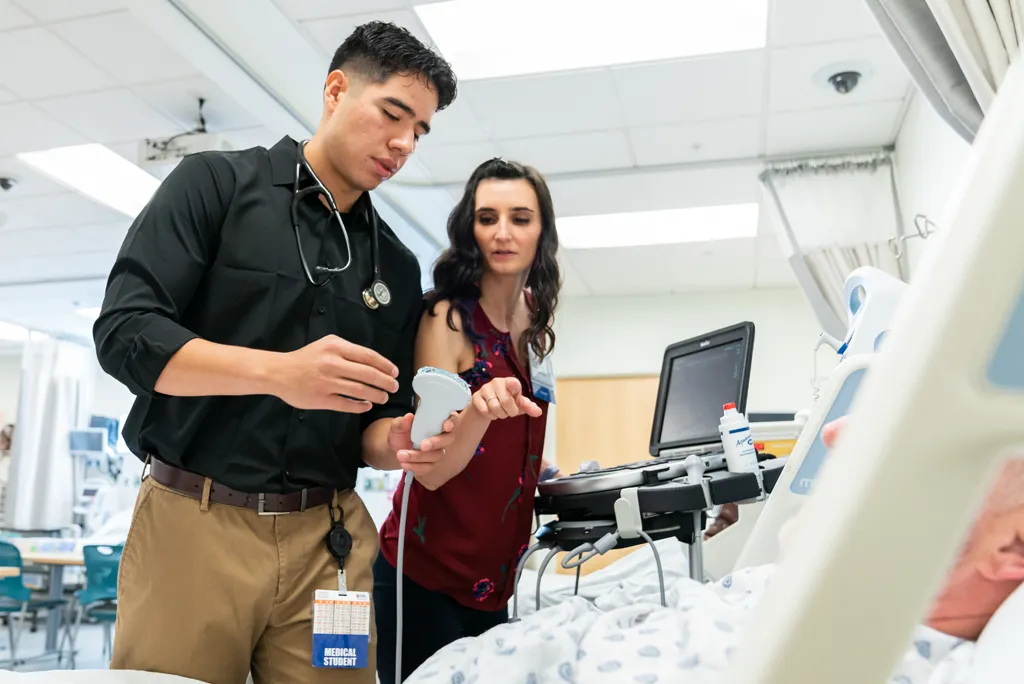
[341, 629]
[542, 377]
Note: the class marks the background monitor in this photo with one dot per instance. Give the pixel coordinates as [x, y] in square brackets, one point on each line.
[92, 440]
[698, 376]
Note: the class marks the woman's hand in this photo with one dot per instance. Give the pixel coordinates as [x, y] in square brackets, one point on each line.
[504, 398]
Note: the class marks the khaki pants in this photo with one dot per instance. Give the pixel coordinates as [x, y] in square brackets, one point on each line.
[211, 592]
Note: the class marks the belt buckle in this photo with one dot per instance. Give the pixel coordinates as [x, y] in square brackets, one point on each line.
[261, 504]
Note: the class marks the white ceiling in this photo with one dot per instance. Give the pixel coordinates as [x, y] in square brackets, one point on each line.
[636, 137]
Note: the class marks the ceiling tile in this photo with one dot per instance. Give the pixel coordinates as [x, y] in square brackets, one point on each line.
[102, 237]
[66, 209]
[457, 124]
[835, 128]
[27, 128]
[126, 48]
[69, 266]
[548, 104]
[256, 136]
[413, 171]
[697, 141]
[318, 9]
[649, 190]
[454, 163]
[179, 101]
[799, 76]
[796, 22]
[774, 273]
[570, 153]
[47, 66]
[773, 270]
[30, 183]
[729, 85]
[664, 269]
[330, 33]
[11, 16]
[110, 116]
[58, 10]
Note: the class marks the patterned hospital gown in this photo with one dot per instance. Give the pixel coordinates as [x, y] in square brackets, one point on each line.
[627, 636]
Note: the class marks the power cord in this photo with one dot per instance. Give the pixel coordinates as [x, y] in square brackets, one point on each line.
[519, 573]
[401, 574]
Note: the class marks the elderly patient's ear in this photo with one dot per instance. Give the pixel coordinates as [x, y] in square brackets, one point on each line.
[1004, 564]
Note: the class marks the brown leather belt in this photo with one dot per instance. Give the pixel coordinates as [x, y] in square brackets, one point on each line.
[190, 484]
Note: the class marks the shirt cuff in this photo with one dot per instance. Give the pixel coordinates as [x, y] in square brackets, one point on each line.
[151, 349]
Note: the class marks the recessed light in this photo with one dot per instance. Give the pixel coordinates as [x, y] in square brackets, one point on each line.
[670, 226]
[508, 38]
[98, 173]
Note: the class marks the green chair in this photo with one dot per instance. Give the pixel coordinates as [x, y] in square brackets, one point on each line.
[98, 600]
[16, 599]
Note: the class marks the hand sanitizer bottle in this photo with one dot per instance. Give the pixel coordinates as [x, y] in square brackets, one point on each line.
[740, 455]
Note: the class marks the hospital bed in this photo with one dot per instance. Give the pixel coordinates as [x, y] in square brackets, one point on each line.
[932, 414]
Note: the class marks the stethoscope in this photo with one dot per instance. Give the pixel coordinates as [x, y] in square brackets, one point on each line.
[377, 294]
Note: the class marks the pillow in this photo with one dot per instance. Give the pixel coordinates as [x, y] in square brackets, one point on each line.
[998, 656]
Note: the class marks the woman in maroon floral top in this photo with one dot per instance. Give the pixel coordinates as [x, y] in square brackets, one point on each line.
[489, 320]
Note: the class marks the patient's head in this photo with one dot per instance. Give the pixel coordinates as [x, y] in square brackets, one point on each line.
[991, 563]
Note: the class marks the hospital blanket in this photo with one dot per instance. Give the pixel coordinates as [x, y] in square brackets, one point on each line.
[627, 636]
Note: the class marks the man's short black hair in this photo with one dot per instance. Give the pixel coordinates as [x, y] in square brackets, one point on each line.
[379, 50]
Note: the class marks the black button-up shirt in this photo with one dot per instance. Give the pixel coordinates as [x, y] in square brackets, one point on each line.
[214, 255]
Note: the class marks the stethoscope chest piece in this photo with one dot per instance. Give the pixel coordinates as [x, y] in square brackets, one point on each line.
[377, 295]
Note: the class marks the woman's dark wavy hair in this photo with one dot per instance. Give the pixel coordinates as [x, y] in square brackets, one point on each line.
[458, 270]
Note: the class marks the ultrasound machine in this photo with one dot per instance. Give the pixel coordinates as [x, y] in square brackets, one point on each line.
[670, 494]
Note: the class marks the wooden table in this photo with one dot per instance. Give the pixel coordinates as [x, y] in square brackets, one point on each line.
[55, 554]
[9, 572]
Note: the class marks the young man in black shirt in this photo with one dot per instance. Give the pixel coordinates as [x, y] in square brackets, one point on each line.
[268, 335]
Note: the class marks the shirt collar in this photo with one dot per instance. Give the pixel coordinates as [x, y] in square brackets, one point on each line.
[282, 161]
[282, 171]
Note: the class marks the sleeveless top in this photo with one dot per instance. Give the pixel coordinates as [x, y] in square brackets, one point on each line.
[466, 538]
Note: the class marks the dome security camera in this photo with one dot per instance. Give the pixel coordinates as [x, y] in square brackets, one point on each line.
[6, 184]
[844, 81]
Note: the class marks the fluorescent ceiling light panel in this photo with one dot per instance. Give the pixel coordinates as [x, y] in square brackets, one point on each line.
[670, 226]
[12, 333]
[98, 173]
[495, 38]
[92, 312]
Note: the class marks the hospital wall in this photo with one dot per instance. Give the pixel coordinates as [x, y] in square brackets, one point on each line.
[930, 157]
[623, 336]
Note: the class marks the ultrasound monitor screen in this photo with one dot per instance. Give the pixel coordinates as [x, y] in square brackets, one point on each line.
[699, 384]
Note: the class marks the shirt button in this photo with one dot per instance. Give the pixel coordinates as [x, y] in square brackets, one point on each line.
[321, 310]
[301, 415]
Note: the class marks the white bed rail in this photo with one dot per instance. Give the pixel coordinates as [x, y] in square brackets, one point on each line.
[943, 403]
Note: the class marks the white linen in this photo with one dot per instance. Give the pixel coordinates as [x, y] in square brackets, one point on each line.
[92, 677]
[627, 636]
[556, 587]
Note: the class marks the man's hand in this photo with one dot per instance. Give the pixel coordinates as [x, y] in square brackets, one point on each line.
[428, 463]
[504, 398]
[335, 375]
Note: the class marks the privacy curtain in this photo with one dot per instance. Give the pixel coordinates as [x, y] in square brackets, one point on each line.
[957, 51]
[832, 216]
[56, 387]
